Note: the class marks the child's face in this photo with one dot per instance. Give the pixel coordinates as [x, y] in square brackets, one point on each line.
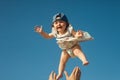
[60, 25]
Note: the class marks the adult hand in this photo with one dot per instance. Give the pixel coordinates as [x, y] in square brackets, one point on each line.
[75, 75]
[52, 76]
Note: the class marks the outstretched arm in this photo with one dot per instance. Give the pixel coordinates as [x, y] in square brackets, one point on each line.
[39, 30]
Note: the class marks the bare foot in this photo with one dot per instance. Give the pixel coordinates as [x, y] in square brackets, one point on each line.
[85, 63]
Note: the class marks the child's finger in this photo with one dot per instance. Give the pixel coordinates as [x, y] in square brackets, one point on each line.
[36, 28]
[79, 31]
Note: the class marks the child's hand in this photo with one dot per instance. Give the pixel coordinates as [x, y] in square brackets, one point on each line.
[38, 29]
[79, 34]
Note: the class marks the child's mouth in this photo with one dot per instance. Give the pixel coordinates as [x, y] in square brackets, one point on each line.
[59, 27]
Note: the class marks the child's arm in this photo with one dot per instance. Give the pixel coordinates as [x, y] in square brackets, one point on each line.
[44, 34]
[77, 34]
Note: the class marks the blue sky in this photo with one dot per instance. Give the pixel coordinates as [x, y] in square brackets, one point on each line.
[25, 55]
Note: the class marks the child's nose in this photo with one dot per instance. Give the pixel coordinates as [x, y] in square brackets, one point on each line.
[59, 23]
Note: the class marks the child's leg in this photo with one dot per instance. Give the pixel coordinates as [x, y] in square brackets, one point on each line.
[78, 53]
[64, 58]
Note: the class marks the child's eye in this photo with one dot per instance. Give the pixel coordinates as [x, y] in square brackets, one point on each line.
[55, 22]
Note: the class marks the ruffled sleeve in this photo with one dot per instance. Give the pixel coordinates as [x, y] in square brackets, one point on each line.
[70, 28]
[53, 32]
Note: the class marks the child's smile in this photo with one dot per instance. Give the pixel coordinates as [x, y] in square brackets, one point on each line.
[60, 26]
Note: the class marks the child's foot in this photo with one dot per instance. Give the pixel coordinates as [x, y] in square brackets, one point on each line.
[59, 76]
[85, 63]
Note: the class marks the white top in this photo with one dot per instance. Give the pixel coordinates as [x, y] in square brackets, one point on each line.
[67, 41]
[62, 37]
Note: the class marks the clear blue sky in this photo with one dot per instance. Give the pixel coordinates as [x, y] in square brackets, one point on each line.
[24, 55]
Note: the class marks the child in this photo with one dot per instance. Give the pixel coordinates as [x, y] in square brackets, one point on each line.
[68, 40]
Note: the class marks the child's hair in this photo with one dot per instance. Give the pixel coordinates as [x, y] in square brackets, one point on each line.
[60, 16]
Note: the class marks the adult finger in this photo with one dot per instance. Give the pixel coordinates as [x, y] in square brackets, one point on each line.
[78, 74]
[51, 75]
[66, 74]
[74, 71]
[54, 76]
